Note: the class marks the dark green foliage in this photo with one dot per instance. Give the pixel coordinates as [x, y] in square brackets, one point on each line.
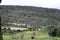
[25, 14]
[54, 31]
[1, 38]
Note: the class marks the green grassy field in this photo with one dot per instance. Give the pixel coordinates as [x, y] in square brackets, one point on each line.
[27, 36]
[39, 35]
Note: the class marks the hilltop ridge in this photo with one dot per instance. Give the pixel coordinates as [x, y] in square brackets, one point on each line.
[29, 15]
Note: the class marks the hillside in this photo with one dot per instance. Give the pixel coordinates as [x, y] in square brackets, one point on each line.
[29, 15]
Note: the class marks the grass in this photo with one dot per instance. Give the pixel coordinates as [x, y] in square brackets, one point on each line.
[40, 35]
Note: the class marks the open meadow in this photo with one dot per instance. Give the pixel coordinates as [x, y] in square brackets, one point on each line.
[26, 35]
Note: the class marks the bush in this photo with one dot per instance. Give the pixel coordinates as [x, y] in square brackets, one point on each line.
[52, 31]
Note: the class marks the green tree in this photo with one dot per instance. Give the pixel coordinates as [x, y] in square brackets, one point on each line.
[1, 38]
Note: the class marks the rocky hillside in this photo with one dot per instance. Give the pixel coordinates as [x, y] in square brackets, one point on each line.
[29, 15]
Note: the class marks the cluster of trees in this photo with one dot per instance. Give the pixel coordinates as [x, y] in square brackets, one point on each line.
[27, 14]
[8, 31]
[54, 31]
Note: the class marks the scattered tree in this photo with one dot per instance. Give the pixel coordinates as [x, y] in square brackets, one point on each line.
[52, 31]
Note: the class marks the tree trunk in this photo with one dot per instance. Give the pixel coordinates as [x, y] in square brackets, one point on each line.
[0, 1]
[1, 38]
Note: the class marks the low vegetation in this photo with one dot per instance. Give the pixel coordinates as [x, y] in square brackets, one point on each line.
[26, 35]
